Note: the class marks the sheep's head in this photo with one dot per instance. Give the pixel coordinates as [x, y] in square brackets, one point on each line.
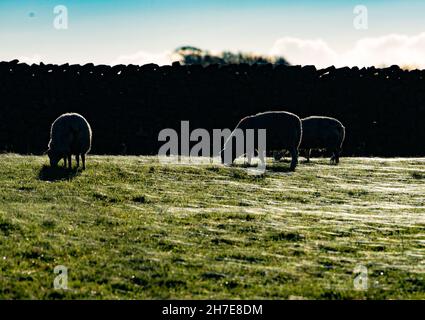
[228, 156]
[222, 156]
[54, 157]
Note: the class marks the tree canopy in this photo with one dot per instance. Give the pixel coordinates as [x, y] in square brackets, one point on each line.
[192, 55]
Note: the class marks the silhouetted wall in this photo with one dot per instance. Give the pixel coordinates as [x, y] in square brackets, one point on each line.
[383, 109]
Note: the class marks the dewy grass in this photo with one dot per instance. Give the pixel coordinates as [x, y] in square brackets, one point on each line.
[132, 228]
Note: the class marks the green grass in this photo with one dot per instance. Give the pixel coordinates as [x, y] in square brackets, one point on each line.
[132, 228]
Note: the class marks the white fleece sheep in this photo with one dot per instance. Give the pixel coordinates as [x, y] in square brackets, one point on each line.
[323, 133]
[70, 134]
[284, 132]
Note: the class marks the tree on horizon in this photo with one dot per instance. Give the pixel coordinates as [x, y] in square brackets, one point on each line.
[193, 55]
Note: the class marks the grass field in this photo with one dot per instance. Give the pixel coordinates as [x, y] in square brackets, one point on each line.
[132, 228]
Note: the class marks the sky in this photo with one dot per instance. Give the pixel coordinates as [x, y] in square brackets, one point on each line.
[307, 32]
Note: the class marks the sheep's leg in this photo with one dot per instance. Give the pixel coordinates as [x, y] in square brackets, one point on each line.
[64, 162]
[69, 161]
[83, 158]
[249, 157]
[77, 159]
[294, 161]
[335, 156]
[308, 154]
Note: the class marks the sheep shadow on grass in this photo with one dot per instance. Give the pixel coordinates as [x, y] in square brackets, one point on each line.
[279, 168]
[48, 173]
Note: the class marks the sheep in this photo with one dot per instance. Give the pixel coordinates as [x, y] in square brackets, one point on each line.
[283, 132]
[70, 134]
[322, 133]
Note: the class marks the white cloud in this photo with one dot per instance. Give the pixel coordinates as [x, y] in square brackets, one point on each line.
[304, 52]
[143, 57]
[36, 58]
[385, 50]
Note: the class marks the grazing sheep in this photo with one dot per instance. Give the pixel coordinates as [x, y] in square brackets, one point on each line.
[70, 135]
[322, 133]
[283, 132]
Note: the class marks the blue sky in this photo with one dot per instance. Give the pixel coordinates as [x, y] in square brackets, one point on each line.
[122, 31]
